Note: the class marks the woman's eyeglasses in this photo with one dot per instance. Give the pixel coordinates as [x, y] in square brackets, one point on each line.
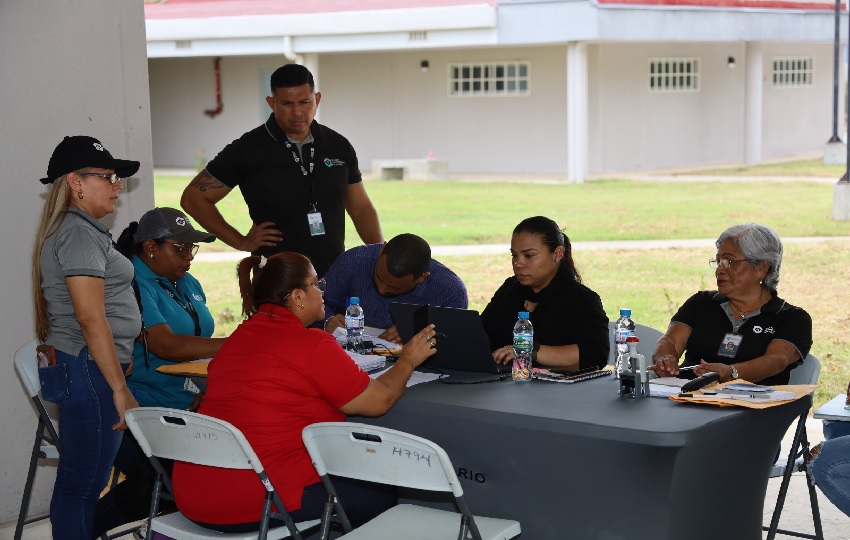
[184, 249]
[320, 284]
[112, 177]
[725, 264]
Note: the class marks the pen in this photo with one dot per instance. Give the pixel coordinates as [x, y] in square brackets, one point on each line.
[687, 368]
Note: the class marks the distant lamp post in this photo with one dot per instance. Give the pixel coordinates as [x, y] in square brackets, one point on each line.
[841, 194]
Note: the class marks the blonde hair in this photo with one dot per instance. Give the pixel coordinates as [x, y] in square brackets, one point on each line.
[57, 203]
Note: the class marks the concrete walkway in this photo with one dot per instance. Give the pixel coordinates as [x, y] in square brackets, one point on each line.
[496, 249]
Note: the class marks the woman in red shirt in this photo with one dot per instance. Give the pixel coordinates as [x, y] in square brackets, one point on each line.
[274, 376]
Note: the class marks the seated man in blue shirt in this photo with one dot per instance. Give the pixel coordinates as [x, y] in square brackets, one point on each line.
[401, 270]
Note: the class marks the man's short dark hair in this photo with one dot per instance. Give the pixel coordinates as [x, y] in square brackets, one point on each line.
[292, 75]
[407, 254]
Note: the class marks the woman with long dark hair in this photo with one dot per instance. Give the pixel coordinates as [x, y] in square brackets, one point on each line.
[570, 325]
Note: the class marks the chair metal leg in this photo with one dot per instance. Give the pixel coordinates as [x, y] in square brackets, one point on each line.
[25, 500]
[799, 448]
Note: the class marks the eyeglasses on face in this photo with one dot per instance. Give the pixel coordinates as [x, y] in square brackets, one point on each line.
[112, 177]
[184, 249]
[320, 284]
[725, 264]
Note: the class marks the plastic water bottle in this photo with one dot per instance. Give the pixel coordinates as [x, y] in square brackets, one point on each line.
[523, 343]
[354, 325]
[623, 328]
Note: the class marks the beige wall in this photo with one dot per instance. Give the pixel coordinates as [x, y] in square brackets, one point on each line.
[390, 109]
[67, 68]
[382, 102]
[183, 88]
[799, 119]
[632, 128]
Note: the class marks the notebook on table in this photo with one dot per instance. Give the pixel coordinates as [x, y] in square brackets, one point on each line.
[462, 343]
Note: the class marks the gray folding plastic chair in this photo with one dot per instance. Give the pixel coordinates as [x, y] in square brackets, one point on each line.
[806, 373]
[387, 456]
[46, 445]
[196, 438]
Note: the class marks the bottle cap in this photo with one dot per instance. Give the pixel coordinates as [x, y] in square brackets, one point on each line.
[523, 314]
[625, 312]
[354, 300]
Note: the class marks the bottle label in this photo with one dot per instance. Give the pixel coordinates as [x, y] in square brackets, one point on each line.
[523, 342]
[354, 323]
[621, 335]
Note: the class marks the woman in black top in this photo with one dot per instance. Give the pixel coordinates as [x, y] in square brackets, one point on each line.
[570, 325]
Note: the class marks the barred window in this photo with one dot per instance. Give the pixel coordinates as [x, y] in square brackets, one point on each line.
[792, 71]
[490, 79]
[674, 74]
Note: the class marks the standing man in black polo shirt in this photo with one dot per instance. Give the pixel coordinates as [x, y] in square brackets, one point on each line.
[297, 176]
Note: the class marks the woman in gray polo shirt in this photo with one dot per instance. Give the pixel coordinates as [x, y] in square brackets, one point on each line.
[87, 312]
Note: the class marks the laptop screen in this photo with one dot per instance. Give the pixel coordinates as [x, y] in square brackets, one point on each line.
[462, 343]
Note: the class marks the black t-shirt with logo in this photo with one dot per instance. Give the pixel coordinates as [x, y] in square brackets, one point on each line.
[709, 323]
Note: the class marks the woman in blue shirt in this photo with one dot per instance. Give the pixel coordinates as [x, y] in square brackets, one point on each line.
[177, 328]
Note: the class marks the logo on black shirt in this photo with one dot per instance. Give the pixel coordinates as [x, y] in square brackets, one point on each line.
[334, 162]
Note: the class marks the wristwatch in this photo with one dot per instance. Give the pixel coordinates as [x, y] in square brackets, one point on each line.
[734, 372]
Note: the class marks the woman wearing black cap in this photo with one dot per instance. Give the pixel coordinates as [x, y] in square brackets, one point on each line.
[178, 326]
[87, 313]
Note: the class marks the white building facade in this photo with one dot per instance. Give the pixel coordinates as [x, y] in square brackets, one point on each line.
[564, 88]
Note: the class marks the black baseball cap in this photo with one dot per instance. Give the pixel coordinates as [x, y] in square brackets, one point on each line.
[78, 152]
[169, 223]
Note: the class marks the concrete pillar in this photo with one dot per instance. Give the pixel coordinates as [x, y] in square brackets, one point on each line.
[577, 124]
[311, 62]
[841, 202]
[753, 103]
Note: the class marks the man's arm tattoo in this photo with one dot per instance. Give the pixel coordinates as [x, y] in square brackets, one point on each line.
[205, 181]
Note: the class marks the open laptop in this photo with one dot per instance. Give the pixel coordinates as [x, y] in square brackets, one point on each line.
[462, 343]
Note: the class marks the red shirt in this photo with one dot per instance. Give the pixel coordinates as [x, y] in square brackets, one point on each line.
[271, 378]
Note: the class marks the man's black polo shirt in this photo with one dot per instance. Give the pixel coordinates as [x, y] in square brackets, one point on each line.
[276, 189]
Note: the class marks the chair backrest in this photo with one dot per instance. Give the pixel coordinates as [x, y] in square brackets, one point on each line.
[377, 454]
[807, 372]
[647, 335]
[191, 437]
[25, 364]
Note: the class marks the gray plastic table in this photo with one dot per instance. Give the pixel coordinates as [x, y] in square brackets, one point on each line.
[576, 461]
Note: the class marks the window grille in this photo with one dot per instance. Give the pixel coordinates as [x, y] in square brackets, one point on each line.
[674, 74]
[490, 79]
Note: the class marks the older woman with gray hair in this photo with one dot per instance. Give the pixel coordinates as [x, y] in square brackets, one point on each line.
[742, 330]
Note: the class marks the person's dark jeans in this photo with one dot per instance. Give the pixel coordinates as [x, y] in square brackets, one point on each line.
[362, 501]
[130, 500]
[87, 443]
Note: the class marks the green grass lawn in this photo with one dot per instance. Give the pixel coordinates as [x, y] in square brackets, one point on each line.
[651, 282]
[450, 213]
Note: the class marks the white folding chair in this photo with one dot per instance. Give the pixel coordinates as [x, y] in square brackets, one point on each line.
[806, 373]
[647, 335]
[377, 454]
[46, 439]
[196, 438]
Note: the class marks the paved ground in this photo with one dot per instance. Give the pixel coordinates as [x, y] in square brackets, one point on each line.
[796, 515]
[489, 249]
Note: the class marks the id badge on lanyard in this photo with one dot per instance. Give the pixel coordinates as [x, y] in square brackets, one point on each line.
[314, 220]
[729, 345]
